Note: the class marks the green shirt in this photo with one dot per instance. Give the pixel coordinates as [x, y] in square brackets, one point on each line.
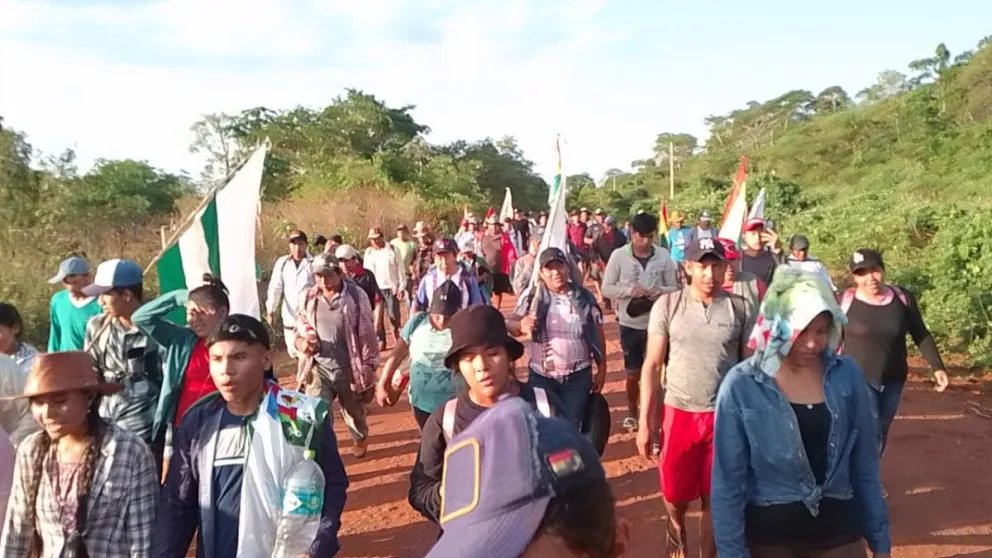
[406, 248]
[431, 383]
[68, 319]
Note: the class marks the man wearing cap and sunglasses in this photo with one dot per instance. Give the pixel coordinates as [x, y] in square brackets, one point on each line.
[70, 308]
[291, 275]
[235, 447]
[698, 334]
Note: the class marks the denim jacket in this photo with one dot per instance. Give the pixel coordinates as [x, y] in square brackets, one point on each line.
[759, 456]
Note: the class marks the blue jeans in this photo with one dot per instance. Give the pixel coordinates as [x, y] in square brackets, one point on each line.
[887, 398]
[572, 390]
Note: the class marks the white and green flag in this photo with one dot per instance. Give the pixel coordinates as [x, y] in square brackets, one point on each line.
[221, 241]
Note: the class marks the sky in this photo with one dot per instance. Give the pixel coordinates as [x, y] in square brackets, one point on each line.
[127, 78]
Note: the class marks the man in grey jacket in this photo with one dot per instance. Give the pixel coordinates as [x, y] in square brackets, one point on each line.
[635, 277]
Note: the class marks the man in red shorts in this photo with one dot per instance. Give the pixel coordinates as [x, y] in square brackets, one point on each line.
[701, 332]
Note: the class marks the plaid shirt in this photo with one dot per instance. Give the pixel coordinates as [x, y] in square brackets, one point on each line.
[121, 507]
[363, 345]
[565, 350]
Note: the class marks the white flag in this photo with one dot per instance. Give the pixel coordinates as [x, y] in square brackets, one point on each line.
[758, 208]
[221, 241]
[506, 212]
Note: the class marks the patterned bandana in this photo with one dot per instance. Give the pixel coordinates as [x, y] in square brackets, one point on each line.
[795, 297]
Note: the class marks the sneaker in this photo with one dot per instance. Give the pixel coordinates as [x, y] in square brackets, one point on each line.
[656, 450]
[630, 424]
[361, 448]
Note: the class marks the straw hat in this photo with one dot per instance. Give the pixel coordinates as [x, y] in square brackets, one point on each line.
[62, 372]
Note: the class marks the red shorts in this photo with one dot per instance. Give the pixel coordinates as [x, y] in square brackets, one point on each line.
[686, 455]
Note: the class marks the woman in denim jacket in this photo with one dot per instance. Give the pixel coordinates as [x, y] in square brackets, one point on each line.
[795, 468]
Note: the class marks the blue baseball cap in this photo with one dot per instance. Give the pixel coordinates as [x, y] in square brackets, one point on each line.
[501, 472]
[112, 274]
[70, 266]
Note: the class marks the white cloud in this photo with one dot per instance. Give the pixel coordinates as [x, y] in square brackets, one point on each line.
[234, 27]
[491, 70]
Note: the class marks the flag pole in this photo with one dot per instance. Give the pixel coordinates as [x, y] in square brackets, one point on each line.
[207, 198]
[671, 170]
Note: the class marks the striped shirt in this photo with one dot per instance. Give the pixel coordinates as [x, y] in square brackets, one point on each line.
[565, 350]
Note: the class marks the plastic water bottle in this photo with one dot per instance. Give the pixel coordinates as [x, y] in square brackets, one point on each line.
[302, 503]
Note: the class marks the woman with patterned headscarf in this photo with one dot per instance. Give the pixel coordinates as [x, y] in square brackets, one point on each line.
[795, 467]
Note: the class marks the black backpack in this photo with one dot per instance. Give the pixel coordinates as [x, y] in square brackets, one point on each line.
[596, 421]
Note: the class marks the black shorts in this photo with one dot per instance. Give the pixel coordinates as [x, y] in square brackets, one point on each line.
[501, 284]
[634, 343]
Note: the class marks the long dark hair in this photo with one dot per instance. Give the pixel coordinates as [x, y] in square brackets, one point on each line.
[212, 292]
[584, 518]
[96, 429]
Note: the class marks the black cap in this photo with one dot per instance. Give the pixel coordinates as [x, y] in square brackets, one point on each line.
[319, 240]
[442, 245]
[703, 248]
[239, 327]
[866, 258]
[552, 255]
[446, 300]
[799, 242]
[480, 325]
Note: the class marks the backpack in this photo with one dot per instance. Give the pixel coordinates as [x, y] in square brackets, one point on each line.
[596, 421]
[448, 418]
[847, 299]
[738, 307]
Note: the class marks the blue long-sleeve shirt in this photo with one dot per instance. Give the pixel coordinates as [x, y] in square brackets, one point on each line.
[759, 457]
[180, 514]
[467, 283]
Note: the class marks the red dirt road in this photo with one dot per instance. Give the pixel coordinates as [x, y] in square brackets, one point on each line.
[936, 468]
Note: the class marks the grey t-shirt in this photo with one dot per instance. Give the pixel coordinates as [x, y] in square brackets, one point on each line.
[333, 353]
[704, 343]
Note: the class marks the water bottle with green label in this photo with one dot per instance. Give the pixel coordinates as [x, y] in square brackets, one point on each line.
[299, 515]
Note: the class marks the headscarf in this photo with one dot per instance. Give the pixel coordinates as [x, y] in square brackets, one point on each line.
[794, 298]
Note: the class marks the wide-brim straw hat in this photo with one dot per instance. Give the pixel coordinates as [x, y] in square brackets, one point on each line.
[64, 372]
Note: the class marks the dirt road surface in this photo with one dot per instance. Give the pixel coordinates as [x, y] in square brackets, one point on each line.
[937, 469]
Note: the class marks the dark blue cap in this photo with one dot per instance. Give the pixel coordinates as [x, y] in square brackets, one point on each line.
[501, 472]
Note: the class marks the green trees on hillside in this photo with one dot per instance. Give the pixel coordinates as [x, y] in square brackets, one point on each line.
[50, 199]
[359, 141]
[904, 167]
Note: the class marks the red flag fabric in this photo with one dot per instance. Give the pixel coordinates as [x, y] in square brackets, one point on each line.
[739, 179]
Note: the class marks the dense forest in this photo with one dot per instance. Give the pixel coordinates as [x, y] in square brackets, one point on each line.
[903, 165]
